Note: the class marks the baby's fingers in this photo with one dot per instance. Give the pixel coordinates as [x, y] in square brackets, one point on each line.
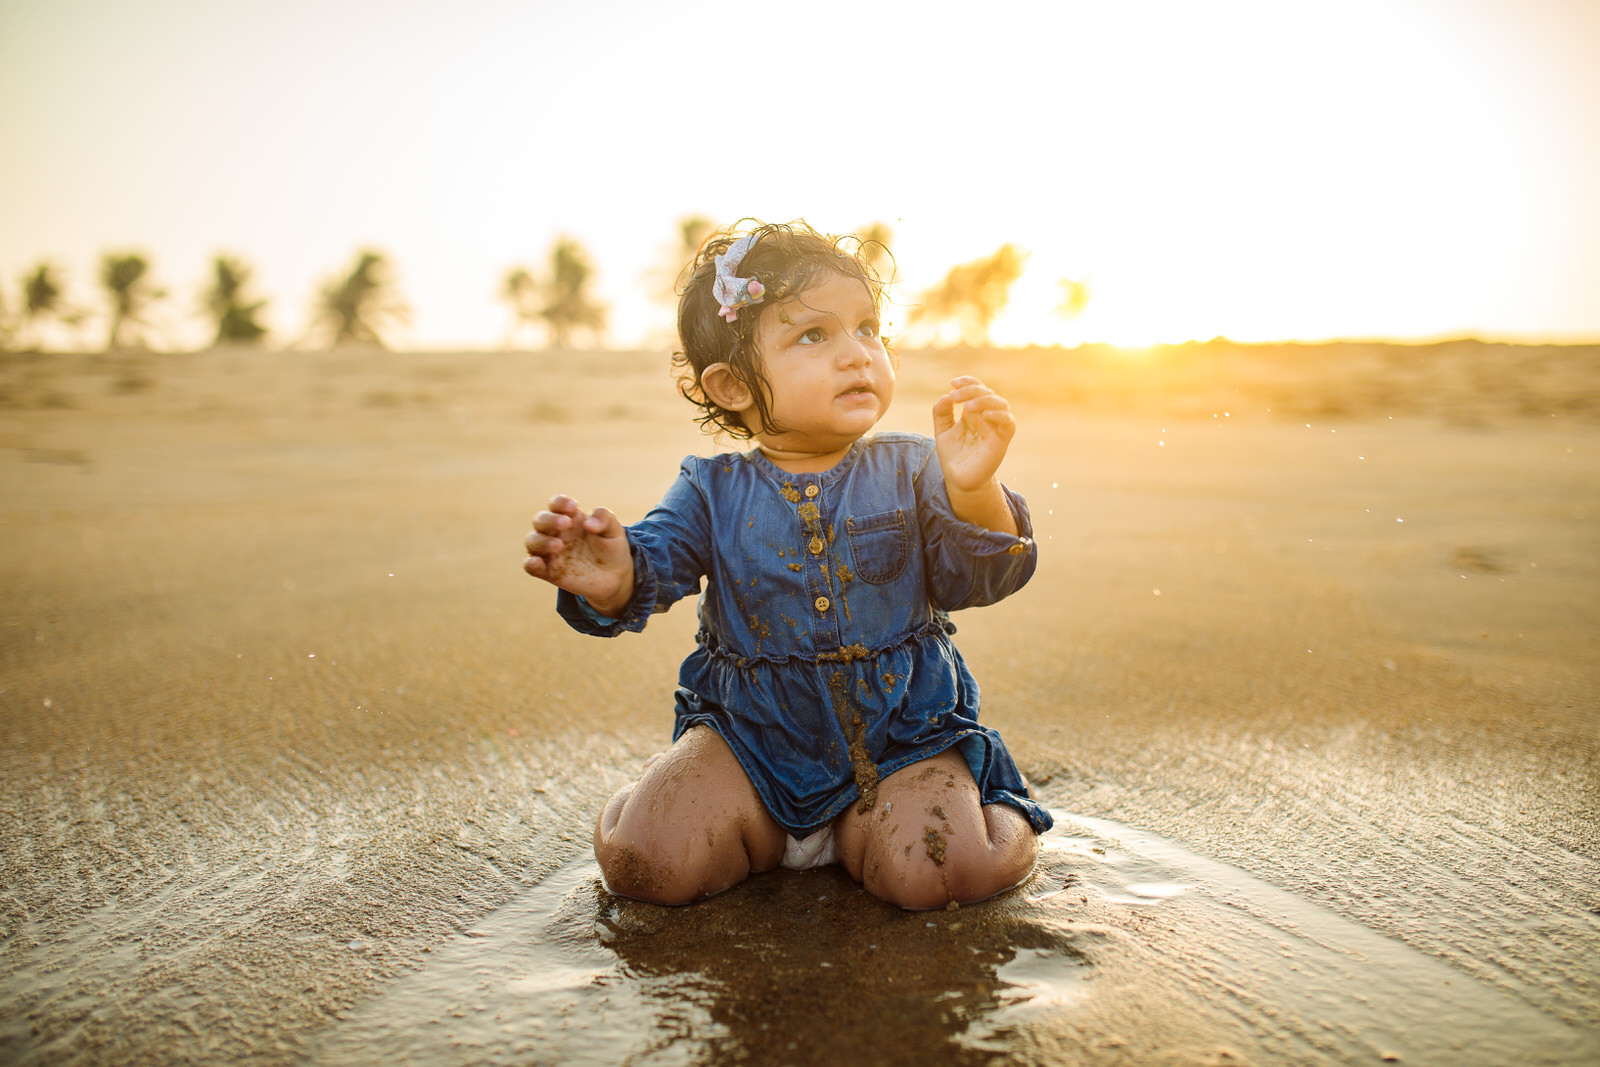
[551, 524]
[988, 401]
[1004, 423]
[602, 523]
[967, 388]
[539, 544]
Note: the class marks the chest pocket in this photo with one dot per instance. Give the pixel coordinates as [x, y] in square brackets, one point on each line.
[878, 546]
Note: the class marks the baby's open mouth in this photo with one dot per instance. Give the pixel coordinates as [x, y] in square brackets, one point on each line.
[857, 390]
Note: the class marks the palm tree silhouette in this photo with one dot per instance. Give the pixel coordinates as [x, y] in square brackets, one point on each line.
[123, 276]
[42, 300]
[568, 304]
[692, 233]
[1074, 297]
[972, 294]
[357, 307]
[521, 291]
[225, 302]
[875, 238]
[668, 276]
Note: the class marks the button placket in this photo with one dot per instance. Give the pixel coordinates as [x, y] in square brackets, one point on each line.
[813, 524]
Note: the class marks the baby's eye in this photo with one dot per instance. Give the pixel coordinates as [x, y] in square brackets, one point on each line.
[868, 328]
[813, 336]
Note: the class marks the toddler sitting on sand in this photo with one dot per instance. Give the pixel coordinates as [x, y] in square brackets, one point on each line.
[825, 714]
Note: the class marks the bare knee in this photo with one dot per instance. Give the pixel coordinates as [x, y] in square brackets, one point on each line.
[633, 864]
[921, 863]
[690, 827]
[644, 874]
[661, 863]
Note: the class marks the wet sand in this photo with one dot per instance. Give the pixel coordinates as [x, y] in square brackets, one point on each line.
[290, 743]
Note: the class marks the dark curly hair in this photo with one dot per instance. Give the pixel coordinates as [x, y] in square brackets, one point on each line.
[786, 258]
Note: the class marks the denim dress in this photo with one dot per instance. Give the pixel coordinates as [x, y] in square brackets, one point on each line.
[824, 656]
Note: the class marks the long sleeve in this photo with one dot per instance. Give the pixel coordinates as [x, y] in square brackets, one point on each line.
[968, 566]
[671, 548]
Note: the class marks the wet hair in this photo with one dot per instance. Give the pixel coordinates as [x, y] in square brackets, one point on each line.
[786, 258]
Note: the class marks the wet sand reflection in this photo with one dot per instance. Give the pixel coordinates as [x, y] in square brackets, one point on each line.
[793, 964]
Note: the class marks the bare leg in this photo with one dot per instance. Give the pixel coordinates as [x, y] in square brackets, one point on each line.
[691, 826]
[929, 840]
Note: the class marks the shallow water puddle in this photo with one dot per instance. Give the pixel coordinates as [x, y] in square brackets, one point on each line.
[804, 967]
[570, 974]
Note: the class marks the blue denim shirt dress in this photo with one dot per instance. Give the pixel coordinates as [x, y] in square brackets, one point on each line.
[824, 656]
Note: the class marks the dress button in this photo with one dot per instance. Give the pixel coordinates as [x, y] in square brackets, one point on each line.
[812, 490]
[815, 546]
[822, 603]
[1019, 548]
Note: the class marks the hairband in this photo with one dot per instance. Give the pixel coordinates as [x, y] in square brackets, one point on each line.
[732, 292]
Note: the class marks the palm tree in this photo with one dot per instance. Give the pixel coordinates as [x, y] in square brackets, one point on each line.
[972, 294]
[356, 308]
[41, 300]
[123, 275]
[692, 233]
[225, 301]
[670, 275]
[875, 238]
[1074, 298]
[568, 303]
[521, 291]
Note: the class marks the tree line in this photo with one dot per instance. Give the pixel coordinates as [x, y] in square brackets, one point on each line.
[359, 306]
[362, 305]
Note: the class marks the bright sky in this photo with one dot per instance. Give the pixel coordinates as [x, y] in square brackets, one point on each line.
[1260, 169]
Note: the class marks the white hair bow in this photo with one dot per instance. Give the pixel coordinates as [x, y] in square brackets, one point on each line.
[732, 292]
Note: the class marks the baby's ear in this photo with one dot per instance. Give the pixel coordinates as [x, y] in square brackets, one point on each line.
[725, 388]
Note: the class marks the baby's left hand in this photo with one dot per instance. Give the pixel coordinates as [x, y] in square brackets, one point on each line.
[971, 447]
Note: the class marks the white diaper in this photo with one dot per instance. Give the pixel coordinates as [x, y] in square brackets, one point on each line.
[817, 850]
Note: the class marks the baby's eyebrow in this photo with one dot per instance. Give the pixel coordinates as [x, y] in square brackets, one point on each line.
[804, 313]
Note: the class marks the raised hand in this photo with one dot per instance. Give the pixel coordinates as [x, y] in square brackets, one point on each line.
[971, 446]
[585, 554]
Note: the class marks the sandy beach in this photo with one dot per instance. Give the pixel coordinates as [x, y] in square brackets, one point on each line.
[297, 766]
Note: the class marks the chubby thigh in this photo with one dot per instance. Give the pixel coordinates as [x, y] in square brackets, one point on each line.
[929, 839]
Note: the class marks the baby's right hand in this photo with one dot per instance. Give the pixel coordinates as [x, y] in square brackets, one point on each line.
[586, 555]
